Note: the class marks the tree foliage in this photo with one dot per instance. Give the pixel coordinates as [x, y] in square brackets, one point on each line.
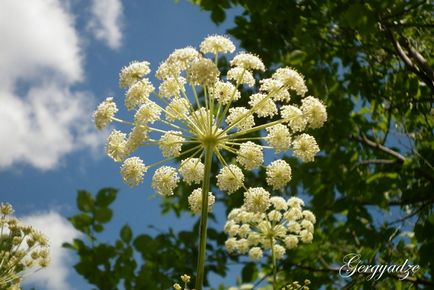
[372, 189]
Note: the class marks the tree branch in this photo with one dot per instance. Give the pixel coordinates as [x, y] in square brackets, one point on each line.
[363, 139]
[377, 161]
[419, 59]
[406, 59]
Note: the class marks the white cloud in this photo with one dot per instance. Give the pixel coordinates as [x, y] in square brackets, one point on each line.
[58, 231]
[106, 20]
[41, 117]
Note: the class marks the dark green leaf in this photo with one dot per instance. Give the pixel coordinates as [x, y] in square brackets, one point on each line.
[126, 233]
[105, 197]
[85, 201]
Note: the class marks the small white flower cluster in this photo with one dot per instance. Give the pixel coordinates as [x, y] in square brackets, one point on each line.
[22, 248]
[195, 201]
[267, 223]
[297, 286]
[186, 279]
[187, 125]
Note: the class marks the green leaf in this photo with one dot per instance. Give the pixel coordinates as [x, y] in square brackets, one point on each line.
[218, 15]
[103, 215]
[81, 222]
[142, 243]
[381, 175]
[85, 201]
[105, 197]
[248, 273]
[126, 233]
[98, 228]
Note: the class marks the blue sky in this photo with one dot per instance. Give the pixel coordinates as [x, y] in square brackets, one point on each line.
[58, 60]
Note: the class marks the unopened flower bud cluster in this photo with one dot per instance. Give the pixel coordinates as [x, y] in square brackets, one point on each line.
[22, 248]
[186, 279]
[265, 224]
[297, 286]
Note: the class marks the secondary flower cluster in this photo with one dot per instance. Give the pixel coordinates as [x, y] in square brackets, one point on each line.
[265, 223]
[297, 286]
[186, 279]
[196, 110]
[21, 248]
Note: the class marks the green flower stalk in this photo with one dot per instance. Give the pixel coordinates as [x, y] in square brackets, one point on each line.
[21, 249]
[199, 128]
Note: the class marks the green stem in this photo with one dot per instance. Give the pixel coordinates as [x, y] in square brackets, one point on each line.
[273, 257]
[204, 217]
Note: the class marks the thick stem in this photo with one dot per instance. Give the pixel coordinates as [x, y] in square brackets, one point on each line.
[204, 217]
[273, 257]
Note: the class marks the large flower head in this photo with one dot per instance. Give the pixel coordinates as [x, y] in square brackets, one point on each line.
[198, 112]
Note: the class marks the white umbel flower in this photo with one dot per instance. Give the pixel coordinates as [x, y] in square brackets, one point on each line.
[256, 199]
[278, 174]
[291, 241]
[137, 136]
[243, 246]
[230, 178]
[132, 73]
[225, 92]
[244, 230]
[306, 236]
[182, 57]
[295, 202]
[305, 147]
[192, 170]
[195, 201]
[116, 145]
[248, 61]
[240, 118]
[231, 228]
[241, 76]
[293, 214]
[274, 215]
[279, 251]
[308, 215]
[296, 119]
[278, 227]
[278, 137]
[132, 171]
[307, 225]
[171, 143]
[171, 87]
[291, 79]
[275, 88]
[207, 121]
[262, 108]
[314, 111]
[231, 245]
[104, 113]
[149, 112]
[138, 94]
[255, 254]
[250, 155]
[165, 180]
[279, 203]
[217, 44]
[177, 109]
[168, 70]
[202, 72]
